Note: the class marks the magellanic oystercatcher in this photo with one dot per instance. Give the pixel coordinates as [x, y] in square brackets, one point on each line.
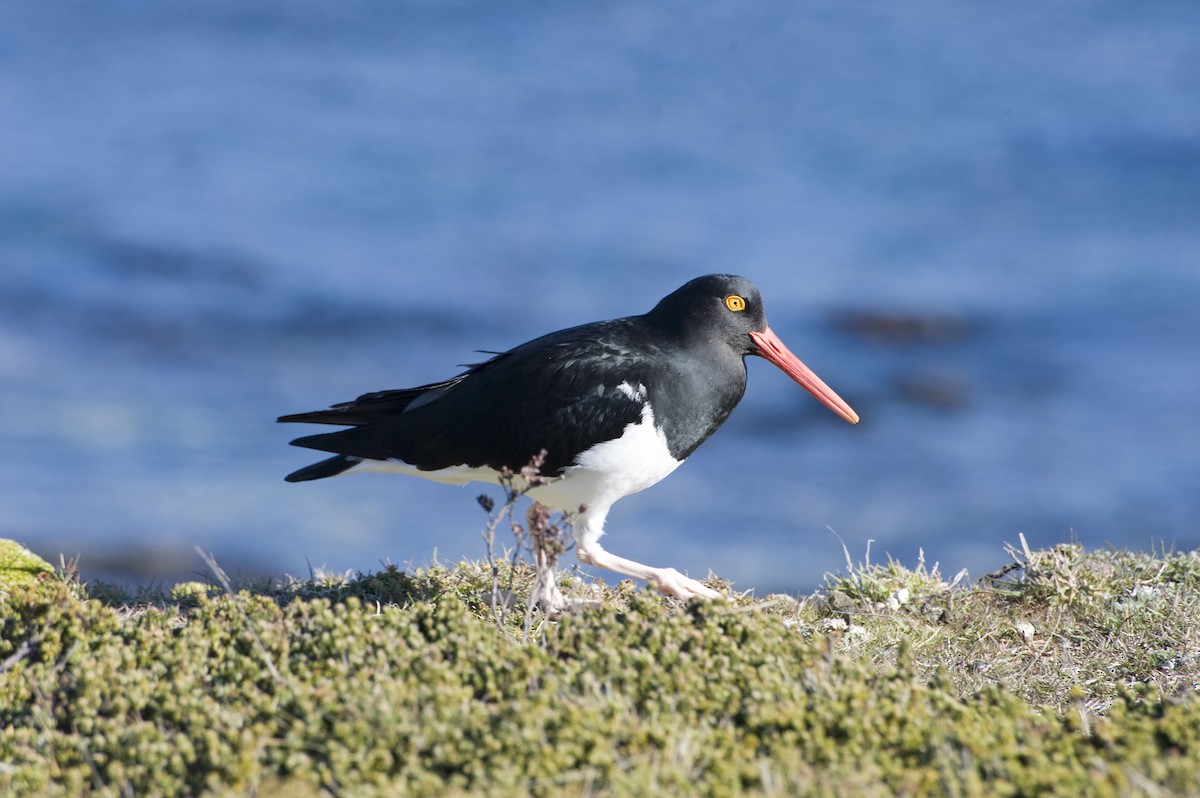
[615, 405]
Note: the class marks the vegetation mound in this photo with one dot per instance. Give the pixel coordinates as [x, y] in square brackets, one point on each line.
[1070, 673]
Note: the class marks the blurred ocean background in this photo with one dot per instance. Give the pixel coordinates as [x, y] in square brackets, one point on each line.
[978, 222]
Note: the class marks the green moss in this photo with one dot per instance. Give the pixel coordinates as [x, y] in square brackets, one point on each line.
[21, 568]
[188, 593]
[410, 683]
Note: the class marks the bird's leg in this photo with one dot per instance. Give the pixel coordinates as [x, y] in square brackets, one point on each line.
[666, 580]
[549, 597]
[546, 547]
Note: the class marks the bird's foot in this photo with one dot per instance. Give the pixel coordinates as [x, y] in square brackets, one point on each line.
[554, 603]
[556, 610]
[673, 583]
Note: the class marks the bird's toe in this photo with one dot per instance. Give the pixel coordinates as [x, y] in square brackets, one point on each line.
[673, 583]
[555, 609]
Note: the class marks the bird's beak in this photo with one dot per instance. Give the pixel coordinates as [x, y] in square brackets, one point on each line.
[771, 348]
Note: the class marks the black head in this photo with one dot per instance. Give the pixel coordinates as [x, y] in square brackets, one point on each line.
[715, 308]
[724, 310]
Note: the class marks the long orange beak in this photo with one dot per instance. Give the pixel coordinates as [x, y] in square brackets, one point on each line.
[771, 348]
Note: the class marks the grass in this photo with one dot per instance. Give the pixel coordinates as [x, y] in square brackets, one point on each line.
[1067, 672]
[1053, 626]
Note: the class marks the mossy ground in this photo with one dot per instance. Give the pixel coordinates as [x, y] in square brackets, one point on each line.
[21, 568]
[1074, 673]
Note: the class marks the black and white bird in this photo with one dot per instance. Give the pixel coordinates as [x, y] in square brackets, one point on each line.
[616, 406]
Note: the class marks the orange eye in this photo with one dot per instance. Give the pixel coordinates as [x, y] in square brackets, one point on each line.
[735, 303]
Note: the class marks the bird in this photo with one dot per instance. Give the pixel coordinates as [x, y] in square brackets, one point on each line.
[612, 407]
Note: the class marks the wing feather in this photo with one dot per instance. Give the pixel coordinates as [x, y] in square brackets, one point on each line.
[561, 395]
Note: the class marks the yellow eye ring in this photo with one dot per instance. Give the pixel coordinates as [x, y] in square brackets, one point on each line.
[735, 303]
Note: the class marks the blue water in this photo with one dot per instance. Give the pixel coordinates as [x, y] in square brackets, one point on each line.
[979, 222]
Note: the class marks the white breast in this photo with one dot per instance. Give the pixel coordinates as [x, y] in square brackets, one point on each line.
[612, 469]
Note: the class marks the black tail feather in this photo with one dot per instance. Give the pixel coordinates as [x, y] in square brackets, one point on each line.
[330, 467]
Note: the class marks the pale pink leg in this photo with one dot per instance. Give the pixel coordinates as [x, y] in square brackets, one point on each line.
[545, 588]
[667, 580]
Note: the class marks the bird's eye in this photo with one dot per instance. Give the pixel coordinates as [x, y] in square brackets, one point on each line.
[735, 303]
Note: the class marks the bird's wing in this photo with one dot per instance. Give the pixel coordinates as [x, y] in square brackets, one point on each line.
[561, 394]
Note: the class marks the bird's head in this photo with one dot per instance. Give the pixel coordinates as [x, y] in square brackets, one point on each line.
[727, 310]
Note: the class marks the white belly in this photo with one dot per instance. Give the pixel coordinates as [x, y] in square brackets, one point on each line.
[454, 475]
[612, 469]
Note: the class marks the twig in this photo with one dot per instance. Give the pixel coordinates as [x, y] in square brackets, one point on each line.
[541, 535]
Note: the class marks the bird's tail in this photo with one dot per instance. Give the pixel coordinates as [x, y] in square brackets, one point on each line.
[330, 467]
